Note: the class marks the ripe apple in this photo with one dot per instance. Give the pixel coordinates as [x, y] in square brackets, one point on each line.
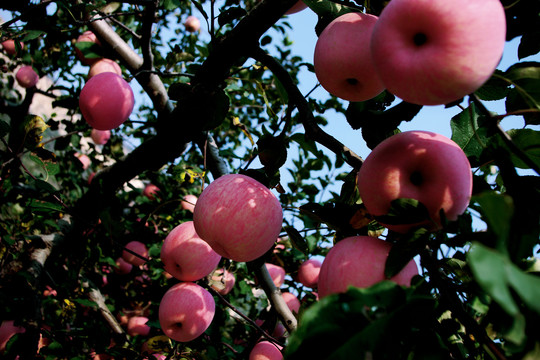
[9, 46]
[277, 273]
[87, 36]
[292, 301]
[223, 281]
[186, 311]
[192, 24]
[186, 256]
[308, 273]
[189, 202]
[359, 261]
[136, 325]
[84, 159]
[265, 350]
[100, 137]
[419, 165]
[150, 191]
[299, 6]
[106, 101]
[238, 216]
[431, 52]
[104, 65]
[342, 58]
[137, 247]
[122, 266]
[27, 77]
[7, 330]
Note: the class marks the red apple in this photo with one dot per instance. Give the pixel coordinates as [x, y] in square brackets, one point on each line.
[359, 261]
[189, 202]
[27, 77]
[192, 24]
[136, 325]
[106, 101]
[100, 137]
[122, 266]
[238, 216]
[299, 6]
[292, 301]
[308, 272]
[277, 273]
[186, 256]
[104, 65]
[265, 350]
[7, 330]
[433, 52]
[342, 58]
[9, 46]
[186, 311]
[137, 247]
[84, 159]
[223, 281]
[87, 36]
[150, 191]
[419, 165]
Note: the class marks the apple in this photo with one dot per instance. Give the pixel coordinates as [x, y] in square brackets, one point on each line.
[122, 266]
[239, 217]
[87, 36]
[419, 165]
[104, 65]
[100, 137]
[265, 350]
[84, 159]
[186, 311]
[106, 101]
[342, 58]
[137, 247]
[188, 203]
[7, 330]
[9, 46]
[299, 6]
[192, 24]
[308, 273]
[223, 281]
[292, 301]
[136, 325]
[431, 52]
[150, 191]
[27, 77]
[359, 261]
[186, 256]
[277, 273]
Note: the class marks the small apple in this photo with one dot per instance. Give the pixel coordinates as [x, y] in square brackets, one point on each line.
[188, 203]
[238, 216]
[277, 273]
[7, 330]
[27, 77]
[122, 266]
[137, 247]
[136, 325]
[150, 191]
[359, 261]
[100, 137]
[342, 58]
[308, 273]
[192, 24]
[84, 159]
[186, 256]
[104, 65]
[265, 350]
[186, 311]
[432, 52]
[106, 101]
[87, 37]
[292, 301]
[223, 281]
[299, 6]
[9, 46]
[419, 165]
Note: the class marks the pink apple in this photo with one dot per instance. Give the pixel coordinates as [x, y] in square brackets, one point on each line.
[150, 191]
[239, 217]
[419, 165]
[192, 24]
[433, 52]
[87, 36]
[265, 350]
[27, 77]
[9, 46]
[106, 101]
[342, 58]
[84, 159]
[186, 311]
[223, 281]
[100, 137]
[188, 203]
[299, 6]
[136, 325]
[137, 247]
[104, 65]
[292, 301]
[122, 266]
[7, 330]
[186, 256]
[308, 272]
[359, 261]
[277, 273]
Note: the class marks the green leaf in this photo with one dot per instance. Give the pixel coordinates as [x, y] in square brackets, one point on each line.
[231, 14]
[45, 186]
[297, 240]
[405, 211]
[528, 141]
[494, 89]
[38, 205]
[89, 50]
[404, 250]
[497, 211]
[529, 44]
[305, 143]
[4, 128]
[31, 35]
[199, 7]
[468, 132]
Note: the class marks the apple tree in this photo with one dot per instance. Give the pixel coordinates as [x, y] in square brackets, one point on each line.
[198, 90]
